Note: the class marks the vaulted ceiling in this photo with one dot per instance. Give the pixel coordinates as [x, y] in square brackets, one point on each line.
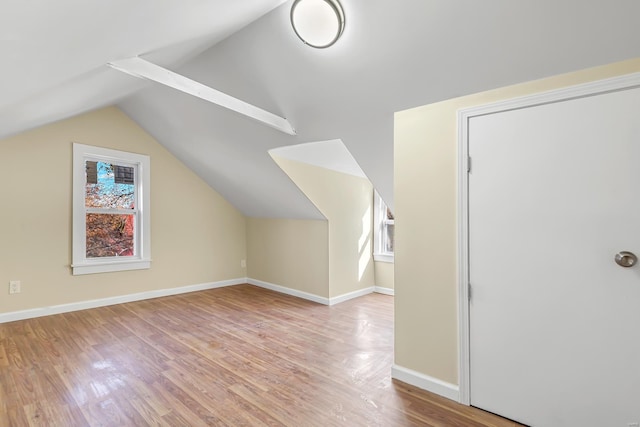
[392, 56]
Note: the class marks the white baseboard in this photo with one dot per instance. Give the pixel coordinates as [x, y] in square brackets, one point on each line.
[121, 299]
[386, 291]
[425, 382]
[350, 295]
[83, 305]
[312, 297]
[289, 291]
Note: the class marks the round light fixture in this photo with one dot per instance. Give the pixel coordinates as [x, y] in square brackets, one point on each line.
[318, 23]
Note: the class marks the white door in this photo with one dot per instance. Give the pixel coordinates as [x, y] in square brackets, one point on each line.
[554, 195]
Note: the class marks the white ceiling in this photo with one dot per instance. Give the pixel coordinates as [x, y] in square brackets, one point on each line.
[331, 155]
[54, 53]
[393, 56]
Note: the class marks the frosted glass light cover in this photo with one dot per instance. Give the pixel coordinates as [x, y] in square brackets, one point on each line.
[318, 23]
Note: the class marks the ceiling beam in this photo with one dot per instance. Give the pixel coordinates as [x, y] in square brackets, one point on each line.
[143, 69]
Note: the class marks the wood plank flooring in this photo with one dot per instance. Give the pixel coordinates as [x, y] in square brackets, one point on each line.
[235, 356]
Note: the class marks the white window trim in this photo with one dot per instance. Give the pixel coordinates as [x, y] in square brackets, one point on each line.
[383, 258]
[142, 260]
[379, 220]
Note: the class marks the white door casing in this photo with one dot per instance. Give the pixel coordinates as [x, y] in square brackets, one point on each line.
[552, 169]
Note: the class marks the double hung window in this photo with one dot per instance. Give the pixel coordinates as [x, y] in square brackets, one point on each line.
[110, 210]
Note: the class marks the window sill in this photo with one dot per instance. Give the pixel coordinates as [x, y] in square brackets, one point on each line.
[110, 266]
[383, 258]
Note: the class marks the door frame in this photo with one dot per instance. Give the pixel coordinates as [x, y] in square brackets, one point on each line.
[625, 82]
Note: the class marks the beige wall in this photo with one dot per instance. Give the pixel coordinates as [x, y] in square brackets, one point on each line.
[383, 273]
[347, 203]
[425, 156]
[196, 236]
[289, 253]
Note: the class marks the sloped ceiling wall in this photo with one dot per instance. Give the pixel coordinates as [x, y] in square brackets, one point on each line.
[332, 155]
[54, 53]
[393, 56]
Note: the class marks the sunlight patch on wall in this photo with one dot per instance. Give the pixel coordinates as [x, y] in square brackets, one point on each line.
[364, 244]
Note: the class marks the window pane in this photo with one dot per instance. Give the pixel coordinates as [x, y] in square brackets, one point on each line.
[110, 235]
[109, 186]
[388, 241]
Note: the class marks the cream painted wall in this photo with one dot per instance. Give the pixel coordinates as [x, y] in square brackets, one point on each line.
[289, 253]
[425, 156]
[383, 273]
[347, 202]
[196, 236]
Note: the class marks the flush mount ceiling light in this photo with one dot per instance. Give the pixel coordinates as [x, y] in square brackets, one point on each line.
[318, 23]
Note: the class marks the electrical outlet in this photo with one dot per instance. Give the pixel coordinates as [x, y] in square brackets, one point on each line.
[243, 263]
[14, 287]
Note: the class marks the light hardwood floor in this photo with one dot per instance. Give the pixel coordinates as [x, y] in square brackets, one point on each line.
[236, 356]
